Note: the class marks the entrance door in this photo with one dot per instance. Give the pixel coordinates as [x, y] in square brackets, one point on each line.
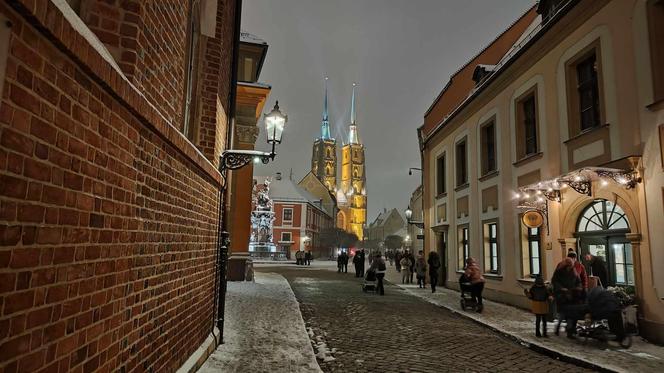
[601, 232]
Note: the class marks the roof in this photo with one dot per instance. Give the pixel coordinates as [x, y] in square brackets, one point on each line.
[461, 82]
[246, 37]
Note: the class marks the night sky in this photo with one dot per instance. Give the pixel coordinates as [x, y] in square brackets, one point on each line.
[400, 52]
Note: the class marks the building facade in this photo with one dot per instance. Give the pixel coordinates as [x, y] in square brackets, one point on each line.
[112, 119]
[415, 231]
[562, 114]
[300, 217]
[387, 223]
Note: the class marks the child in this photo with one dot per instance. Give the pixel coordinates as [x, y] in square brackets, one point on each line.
[405, 270]
[539, 294]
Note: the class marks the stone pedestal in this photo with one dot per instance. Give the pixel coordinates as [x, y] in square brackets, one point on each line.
[237, 264]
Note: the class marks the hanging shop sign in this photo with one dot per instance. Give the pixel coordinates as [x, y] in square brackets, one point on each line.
[532, 219]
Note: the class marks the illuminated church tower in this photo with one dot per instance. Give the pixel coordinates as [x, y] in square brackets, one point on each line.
[352, 196]
[324, 159]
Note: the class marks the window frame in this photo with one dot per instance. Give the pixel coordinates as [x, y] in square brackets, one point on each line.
[463, 249]
[486, 157]
[290, 236]
[530, 239]
[461, 170]
[521, 130]
[489, 254]
[655, 15]
[283, 215]
[573, 95]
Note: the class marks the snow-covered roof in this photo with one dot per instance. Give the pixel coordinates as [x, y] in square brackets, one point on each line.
[286, 190]
[246, 37]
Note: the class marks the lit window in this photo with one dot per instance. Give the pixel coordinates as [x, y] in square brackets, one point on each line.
[491, 254]
[464, 246]
[531, 251]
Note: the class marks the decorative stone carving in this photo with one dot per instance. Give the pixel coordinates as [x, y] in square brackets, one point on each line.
[246, 134]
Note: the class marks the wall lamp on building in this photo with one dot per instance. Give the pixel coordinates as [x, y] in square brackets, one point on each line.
[275, 121]
[411, 169]
[409, 215]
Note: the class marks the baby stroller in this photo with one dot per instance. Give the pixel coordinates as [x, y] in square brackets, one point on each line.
[605, 319]
[467, 301]
[370, 281]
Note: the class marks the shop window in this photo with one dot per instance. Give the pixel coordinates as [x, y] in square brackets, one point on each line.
[491, 253]
[488, 149]
[531, 251]
[464, 246]
[440, 175]
[584, 91]
[655, 9]
[287, 215]
[461, 163]
[526, 125]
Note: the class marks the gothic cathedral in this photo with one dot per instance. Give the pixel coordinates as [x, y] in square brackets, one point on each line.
[351, 195]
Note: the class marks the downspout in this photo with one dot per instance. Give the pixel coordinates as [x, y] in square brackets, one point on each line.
[222, 235]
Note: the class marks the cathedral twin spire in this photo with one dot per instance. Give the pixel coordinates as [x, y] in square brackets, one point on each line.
[353, 137]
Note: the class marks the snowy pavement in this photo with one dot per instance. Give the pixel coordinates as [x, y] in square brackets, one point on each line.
[264, 330]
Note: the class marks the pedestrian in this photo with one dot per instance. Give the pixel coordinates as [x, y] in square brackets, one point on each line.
[598, 268]
[298, 257]
[356, 263]
[340, 261]
[421, 270]
[434, 266]
[566, 289]
[390, 256]
[580, 270]
[362, 258]
[378, 266]
[411, 268]
[397, 260]
[405, 270]
[539, 295]
[473, 274]
[307, 258]
[345, 262]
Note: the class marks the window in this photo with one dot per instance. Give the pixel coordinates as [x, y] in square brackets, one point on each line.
[602, 215]
[286, 237]
[655, 9]
[440, 175]
[464, 246]
[531, 251]
[526, 125]
[191, 69]
[287, 216]
[585, 90]
[488, 140]
[623, 266]
[461, 164]
[491, 255]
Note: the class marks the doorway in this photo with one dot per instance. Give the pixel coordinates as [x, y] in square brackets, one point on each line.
[441, 245]
[601, 231]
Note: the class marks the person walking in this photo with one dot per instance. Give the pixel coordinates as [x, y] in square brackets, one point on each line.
[567, 288]
[539, 296]
[598, 268]
[362, 258]
[356, 263]
[580, 270]
[411, 268]
[397, 260]
[379, 267]
[434, 267]
[421, 270]
[473, 274]
[298, 257]
[345, 262]
[307, 258]
[340, 261]
[405, 270]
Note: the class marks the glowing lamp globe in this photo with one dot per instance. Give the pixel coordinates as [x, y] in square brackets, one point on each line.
[409, 213]
[275, 121]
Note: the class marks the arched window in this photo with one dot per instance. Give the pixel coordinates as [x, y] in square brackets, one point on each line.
[602, 215]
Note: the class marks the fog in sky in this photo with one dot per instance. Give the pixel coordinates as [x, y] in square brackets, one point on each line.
[400, 52]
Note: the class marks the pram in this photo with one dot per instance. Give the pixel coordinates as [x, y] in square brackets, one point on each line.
[604, 318]
[370, 281]
[467, 300]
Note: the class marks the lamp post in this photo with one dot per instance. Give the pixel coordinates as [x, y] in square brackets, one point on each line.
[409, 215]
[275, 121]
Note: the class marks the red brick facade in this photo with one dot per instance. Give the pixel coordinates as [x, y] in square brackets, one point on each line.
[108, 214]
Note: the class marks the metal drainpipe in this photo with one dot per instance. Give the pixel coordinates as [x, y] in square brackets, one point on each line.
[223, 237]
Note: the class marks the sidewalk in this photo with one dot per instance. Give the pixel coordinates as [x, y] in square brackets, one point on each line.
[264, 330]
[519, 325]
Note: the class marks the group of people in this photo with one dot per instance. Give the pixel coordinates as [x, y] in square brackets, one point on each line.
[574, 298]
[358, 262]
[303, 257]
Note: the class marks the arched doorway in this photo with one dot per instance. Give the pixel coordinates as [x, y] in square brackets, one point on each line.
[601, 231]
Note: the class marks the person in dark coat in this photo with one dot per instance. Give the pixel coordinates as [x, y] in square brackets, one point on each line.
[434, 267]
[603, 304]
[356, 263]
[397, 261]
[597, 267]
[411, 257]
[345, 262]
[307, 258]
[379, 267]
[340, 262]
[567, 290]
[362, 263]
[539, 295]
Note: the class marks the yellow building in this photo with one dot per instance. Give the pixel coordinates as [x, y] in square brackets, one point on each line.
[353, 213]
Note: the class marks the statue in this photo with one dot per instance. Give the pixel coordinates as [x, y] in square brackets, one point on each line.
[262, 221]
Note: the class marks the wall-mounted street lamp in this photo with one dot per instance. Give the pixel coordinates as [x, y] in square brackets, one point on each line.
[409, 215]
[411, 169]
[275, 121]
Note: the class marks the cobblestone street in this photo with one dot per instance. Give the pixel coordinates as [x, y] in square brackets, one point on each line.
[400, 332]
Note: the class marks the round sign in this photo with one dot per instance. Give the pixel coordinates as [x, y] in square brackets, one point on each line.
[532, 219]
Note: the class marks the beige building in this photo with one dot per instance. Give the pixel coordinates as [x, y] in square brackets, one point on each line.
[415, 231]
[563, 114]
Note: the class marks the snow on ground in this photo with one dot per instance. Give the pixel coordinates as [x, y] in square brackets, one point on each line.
[264, 330]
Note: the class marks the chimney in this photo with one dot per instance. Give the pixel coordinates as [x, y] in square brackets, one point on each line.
[278, 176]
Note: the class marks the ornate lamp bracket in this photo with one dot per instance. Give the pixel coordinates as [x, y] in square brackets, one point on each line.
[236, 159]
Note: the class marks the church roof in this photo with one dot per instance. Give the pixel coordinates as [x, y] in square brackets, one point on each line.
[353, 136]
[325, 122]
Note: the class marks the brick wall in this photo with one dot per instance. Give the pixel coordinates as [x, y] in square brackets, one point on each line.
[108, 215]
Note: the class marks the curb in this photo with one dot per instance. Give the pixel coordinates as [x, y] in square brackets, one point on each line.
[532, 346]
